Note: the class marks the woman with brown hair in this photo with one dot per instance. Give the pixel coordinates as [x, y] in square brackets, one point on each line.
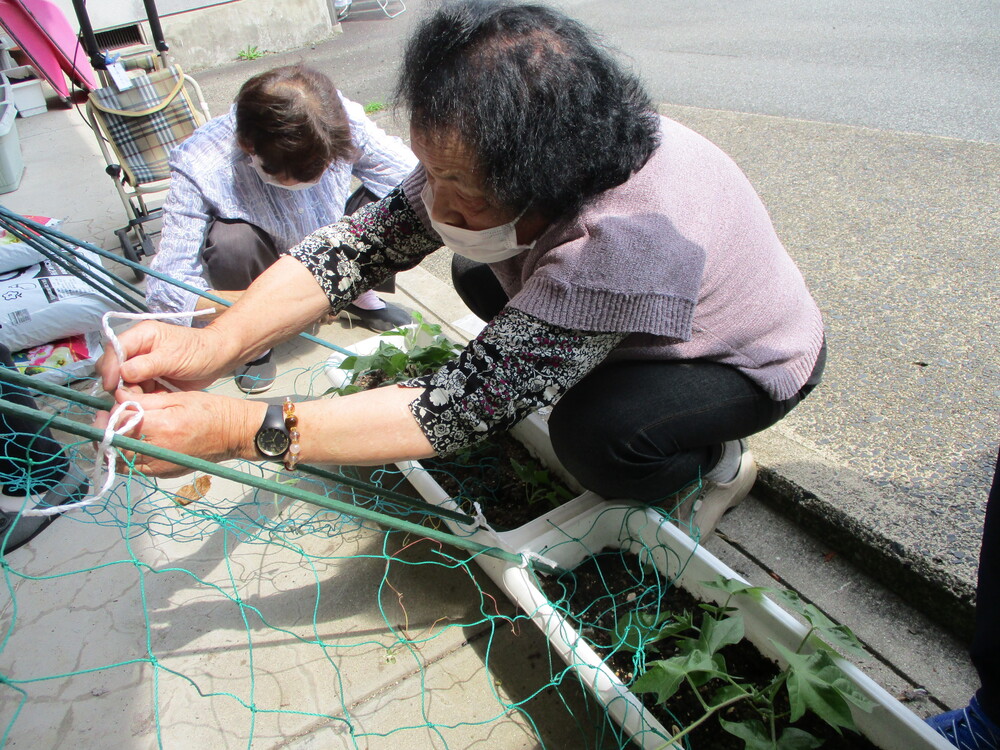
[248, 186]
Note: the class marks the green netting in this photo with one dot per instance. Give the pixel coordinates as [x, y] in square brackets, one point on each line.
[245, 618]
[250, 607]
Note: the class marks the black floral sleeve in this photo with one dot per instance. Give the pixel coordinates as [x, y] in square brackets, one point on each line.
[361, 250]
[516, 365]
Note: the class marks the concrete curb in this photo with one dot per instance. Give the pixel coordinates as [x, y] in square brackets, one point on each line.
[800, 483]
[945, 599]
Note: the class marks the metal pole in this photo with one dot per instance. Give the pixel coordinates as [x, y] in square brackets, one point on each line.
[105, 403]
[42, 229]
[87, 35]
[285, 490]
[154, 26]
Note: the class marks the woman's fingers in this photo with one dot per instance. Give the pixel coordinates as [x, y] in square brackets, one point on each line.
[109, 368]
[159, 357]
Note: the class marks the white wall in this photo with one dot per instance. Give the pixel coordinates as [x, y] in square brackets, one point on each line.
[106, 14]
[206, 33]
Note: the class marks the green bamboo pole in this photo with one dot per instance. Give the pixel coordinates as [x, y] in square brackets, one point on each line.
[225, 472]
[49, 231]
[51, 389]
[82, 268]
[106, 404]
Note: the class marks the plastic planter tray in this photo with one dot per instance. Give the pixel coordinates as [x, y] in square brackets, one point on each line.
[26, 90]
[587, 524]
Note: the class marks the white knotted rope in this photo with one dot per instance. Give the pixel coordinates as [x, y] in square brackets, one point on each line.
[105, 457]
[527, 555]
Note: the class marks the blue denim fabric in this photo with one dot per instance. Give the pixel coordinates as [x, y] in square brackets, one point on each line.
[985, 649]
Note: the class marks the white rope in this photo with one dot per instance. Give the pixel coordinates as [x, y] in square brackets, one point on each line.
[480, 517]
[105, 456]
[526, 555]
[110, 334]
[16, 505]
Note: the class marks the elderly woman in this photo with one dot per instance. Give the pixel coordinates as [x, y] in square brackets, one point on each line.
[629, 273]
[257, 180]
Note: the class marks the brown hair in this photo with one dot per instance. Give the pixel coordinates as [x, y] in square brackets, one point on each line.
[293, 119]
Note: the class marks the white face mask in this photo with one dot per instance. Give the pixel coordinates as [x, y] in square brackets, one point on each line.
[270, 179]
[482, 245]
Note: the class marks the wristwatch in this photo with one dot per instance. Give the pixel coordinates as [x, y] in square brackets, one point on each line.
[272, 439]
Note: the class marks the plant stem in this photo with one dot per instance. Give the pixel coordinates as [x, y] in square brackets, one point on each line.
[709, 711]
[697, 693]
[771, 692]
[805, 639]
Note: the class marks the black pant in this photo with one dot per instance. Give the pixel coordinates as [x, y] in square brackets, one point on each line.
[236, 252]
[985, 650]
[643, 429]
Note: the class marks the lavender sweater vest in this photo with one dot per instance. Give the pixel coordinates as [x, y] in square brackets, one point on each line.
[684, 258]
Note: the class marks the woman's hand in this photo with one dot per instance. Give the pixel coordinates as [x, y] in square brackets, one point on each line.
[203, 425]
[187, 358]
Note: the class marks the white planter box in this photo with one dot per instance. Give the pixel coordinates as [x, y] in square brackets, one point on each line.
[587, 524]
[26, 86]
[11, 159]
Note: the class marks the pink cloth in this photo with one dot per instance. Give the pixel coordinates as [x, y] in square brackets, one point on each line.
[684, 258]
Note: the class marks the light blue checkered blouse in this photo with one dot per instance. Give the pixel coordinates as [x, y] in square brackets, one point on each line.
[211, 177]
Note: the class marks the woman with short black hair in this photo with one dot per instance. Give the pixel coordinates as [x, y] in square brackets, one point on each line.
[552, 118]
[629, 276]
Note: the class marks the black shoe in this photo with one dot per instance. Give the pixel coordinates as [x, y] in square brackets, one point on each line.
[389, 317]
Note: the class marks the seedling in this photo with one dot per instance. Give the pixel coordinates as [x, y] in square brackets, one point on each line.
[373, 107]
[539, 485]
[813, 681]
[424, 348]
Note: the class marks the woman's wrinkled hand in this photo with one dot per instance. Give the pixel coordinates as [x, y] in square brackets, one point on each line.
[157, 354]
[197, 424]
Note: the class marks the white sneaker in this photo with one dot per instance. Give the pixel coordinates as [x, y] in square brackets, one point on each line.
[701, 512]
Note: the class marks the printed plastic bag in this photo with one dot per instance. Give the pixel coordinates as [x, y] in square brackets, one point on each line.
[17, 254]
[45, 302]
[62, 361]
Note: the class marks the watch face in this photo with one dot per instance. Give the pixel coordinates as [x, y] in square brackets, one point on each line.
[272, 442]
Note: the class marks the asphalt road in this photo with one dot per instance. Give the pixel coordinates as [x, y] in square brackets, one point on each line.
[927, 66]
[920, 66]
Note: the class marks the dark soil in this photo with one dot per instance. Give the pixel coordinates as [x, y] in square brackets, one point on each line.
[370, 379]
[607, 586]
[486, 475]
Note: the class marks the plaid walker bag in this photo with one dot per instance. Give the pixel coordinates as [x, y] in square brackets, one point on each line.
[136, 129]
